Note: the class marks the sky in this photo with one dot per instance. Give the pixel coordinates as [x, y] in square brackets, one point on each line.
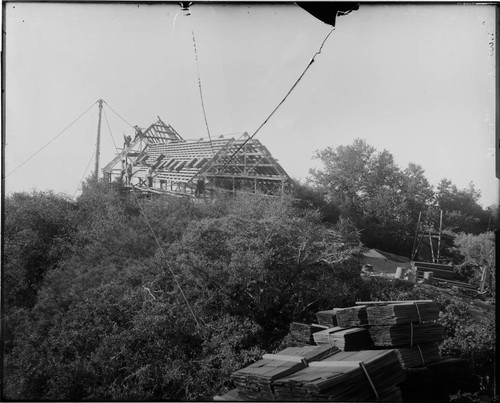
[417, 80]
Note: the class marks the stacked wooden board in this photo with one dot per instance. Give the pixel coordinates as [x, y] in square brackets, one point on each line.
[442, 271]
[367, 360]
[255, 382]
[358, 376]
[418, 356]
[303, 333]
[327, 318]
[406, 312]
[351, 339]
[404, 324]
[352, 316]
[408, 334]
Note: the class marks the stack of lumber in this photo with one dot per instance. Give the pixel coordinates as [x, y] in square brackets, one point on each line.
[345, 339]
[403, 323]
[418, 356]
[406, 364]
[442, 271]
[309, 353]
[255, 381]
[406, 312]
[303, 333]
[345, 376]
[408, 334]
[327, 318]
[352, 316]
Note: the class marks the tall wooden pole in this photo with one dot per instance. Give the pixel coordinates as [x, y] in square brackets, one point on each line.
[98, 145]
[432, 248]
[440, 234]
[413, 249]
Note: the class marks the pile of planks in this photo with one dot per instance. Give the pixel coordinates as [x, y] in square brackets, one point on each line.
[383, 351]
[405, 312]
[352, 316]
[327, 318]
[418, 356]
[255, 382]
[358, 376]
[352, 339]
[404, 324]
[303, 333]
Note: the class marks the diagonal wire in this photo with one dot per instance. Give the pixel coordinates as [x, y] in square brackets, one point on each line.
[109, 128]
[201, 93]
[117, 114]
[165, 257]
[283, 100]
[84, 173]
[54, 138]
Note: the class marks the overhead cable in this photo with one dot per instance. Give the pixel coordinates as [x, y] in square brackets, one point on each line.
[283, 100]
[117, 114]
[164, 256]
[54, 138]
[201, 93]
[109, 128]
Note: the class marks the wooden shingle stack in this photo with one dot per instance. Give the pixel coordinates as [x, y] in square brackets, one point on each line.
[352, 316]
[255, 382]
[327, 318]
[406, 335]
[357, 376]
[405, 312]
[344, 366]
[303, 333]
[351, 339]
[419, 355]
[404, 324]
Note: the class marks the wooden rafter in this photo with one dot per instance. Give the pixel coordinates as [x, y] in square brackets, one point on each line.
[179, 164]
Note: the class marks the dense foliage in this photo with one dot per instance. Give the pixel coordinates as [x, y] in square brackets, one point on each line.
[385, 202]
[479, 257]
[117, 317]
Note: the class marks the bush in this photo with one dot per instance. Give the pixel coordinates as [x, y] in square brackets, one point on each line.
[470, 337]
[110, 321]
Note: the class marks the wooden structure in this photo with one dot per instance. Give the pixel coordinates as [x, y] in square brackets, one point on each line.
[198, 168]
[440, 271]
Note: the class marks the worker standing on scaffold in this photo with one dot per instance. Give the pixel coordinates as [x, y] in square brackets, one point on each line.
[123, 171]
[149, 176]
[138, 132]
[129, 173]
[126, 141]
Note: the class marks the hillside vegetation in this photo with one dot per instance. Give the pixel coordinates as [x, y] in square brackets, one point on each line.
[117, 298]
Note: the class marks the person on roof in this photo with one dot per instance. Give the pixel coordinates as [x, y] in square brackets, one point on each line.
[126, 141]
[138, 132]
[149, 176]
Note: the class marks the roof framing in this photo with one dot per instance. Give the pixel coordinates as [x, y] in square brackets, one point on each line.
[226, 163]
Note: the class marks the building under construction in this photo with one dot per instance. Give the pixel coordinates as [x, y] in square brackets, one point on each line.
[159, 160]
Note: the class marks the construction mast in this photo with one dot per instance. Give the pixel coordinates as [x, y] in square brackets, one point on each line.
[98, 144]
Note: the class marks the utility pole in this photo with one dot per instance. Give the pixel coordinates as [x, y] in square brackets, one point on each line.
[98, 145]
